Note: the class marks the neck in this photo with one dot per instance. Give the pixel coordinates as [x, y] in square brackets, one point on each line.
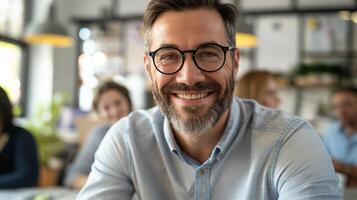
[200, 147]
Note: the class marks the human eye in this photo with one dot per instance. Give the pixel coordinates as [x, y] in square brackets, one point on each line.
[209, 51]
[104, 108]
[168, 57]
[207, 54]
[117, 102]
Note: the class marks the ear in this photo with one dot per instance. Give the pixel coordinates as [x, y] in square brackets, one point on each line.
[236, 62]
[147, 65]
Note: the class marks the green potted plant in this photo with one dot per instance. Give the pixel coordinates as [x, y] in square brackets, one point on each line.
[317, 74]
[43, 126]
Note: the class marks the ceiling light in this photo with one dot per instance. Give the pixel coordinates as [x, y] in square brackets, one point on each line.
[49, 32]
[244, 36]
[344, 15]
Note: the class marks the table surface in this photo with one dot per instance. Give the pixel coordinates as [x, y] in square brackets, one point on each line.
[54, 193]
[62, 193]
[350, 194]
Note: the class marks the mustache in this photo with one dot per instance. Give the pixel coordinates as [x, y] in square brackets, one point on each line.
[199, 86]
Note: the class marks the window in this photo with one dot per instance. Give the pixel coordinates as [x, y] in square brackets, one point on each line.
[10, 76]
[13, 52]
[11, 18]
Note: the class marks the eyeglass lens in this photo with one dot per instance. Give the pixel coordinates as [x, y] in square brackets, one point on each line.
[207, 57]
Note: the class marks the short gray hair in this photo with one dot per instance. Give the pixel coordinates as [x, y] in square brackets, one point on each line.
[228, 12]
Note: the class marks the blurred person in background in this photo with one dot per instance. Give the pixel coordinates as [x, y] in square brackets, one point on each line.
[111, 102]
[261, 86]
[19, 165]
[341, 138]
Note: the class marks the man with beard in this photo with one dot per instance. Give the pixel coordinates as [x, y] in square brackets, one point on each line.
[200, 142]
[341, 138]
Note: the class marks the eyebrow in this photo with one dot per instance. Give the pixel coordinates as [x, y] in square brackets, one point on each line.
[175, 46]
[168, 45]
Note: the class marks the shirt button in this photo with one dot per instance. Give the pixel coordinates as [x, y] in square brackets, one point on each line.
[201, 172]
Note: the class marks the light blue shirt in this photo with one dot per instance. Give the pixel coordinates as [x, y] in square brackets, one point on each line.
[341, 147]
[262, 154]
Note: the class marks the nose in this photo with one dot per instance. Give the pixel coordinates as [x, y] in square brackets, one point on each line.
[189, 74]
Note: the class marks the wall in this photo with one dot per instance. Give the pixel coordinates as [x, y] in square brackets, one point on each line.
[64, 58]
[132, 7]
[63, 65]
[262, 4]
[278, 42]
[282, 4]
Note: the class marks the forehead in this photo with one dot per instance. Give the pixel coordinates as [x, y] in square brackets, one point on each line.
[110, 95]
[344, 96]
[188, 28]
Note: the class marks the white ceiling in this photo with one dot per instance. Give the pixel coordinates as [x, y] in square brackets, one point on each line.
[285, 4]
[93, 8]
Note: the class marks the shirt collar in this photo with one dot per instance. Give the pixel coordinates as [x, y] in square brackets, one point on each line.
[169, 137]
[343, 132]
[230, 132]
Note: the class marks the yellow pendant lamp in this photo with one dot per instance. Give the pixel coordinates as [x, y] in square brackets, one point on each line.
[246, 40]
[245, 37]
[49, 32]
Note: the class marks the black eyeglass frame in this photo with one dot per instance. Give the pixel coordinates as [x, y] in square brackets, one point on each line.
[193, 51]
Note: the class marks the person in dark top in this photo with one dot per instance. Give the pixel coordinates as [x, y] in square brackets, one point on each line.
[19, 166]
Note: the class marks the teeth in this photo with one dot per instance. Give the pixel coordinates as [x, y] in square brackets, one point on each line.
[192, 96]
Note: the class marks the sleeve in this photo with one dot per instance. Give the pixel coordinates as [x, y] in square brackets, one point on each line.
[328, 139]
[304, 170]
[26, 163]
[84, 160]
[109, 178]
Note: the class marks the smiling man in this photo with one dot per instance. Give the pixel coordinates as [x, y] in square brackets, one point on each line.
[200, 142]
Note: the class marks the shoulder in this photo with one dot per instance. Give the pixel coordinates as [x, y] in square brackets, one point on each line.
[140, 122]
[21, 135]
[19, 132]
[135, 132]
[102, 127]
[99, 131]
[332, 130]
[272, 128]
[276, 121]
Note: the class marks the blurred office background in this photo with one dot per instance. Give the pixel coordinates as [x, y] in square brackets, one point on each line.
[310, 44]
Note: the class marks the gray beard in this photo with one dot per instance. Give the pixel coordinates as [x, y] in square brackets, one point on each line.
[195, 125]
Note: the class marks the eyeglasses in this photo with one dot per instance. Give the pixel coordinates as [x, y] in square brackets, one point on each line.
[208, 57]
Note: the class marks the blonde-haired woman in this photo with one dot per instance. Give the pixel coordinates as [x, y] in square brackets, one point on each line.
[261, 86]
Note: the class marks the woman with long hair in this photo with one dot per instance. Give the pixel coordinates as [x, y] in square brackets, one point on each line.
[261, 86]
[19, 166]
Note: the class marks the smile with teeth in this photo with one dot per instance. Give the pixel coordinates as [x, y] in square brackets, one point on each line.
[191, 96]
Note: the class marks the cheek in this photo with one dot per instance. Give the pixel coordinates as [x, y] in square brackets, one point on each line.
[123, 109]
[269, 101]
[160, 80]
[154, 74]
[103, 114]
[223, 78]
